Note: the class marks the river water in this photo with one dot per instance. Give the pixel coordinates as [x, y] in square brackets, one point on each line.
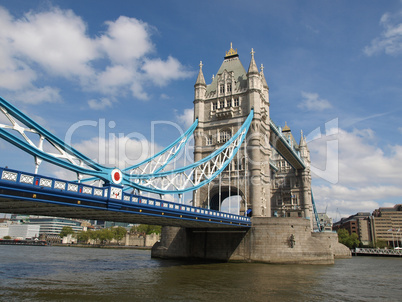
[30, 273]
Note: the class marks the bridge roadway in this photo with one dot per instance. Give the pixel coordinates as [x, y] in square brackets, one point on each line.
[33, 194]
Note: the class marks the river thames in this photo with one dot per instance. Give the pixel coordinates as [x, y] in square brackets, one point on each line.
[50, 273]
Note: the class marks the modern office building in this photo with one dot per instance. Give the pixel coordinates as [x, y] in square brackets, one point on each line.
[384, 224]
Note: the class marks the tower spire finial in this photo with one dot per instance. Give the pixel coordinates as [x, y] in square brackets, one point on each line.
[200, 78]
[253, 67]
[231, 51]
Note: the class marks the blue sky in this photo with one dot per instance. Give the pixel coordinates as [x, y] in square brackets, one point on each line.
[333, 68]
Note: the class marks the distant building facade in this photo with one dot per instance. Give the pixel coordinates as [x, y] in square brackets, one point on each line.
[19, 231]
[384, 224]
[387, 225]
[49, 227]
[53, 225]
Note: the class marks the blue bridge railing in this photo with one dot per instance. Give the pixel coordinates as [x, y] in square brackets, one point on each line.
[111, 197]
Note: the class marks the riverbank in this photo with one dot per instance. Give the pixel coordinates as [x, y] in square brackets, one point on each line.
[103, 246]
[22, 242]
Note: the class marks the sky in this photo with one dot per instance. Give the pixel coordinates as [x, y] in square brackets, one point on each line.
[120, 77]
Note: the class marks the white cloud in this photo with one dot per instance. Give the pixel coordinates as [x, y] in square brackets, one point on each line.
[126, 40]
[187, 118]
[360, 161]
[113, 78]
[390, 40]
[56, 43]
[56, 40]
[368, 176]
[100, 104]
[312, 102]
[38, 95]
[120, 152]
[161, 72]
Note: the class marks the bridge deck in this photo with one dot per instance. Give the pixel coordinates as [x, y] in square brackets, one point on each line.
[24, 193]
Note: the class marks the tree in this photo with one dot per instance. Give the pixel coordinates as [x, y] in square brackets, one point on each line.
[148, 229]
[381, 244]
[119, 233]
[83, 236]
[65, 231]
[105, 235]
[351, 241]
[94, 235]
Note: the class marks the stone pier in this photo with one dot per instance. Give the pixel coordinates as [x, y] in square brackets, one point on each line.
[269, 240]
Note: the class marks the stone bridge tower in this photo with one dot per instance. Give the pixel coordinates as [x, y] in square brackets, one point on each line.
[221, 108]
[273, 183]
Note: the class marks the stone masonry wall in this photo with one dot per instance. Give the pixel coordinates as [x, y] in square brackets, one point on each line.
[270, 240]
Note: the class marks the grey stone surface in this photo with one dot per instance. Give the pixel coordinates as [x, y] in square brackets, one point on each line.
[270, 240]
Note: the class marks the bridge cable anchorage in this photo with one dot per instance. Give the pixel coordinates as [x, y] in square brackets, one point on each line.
[147, 176]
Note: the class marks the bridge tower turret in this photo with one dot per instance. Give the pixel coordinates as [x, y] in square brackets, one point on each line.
[200, 89]
[221, 108]
[306, 180]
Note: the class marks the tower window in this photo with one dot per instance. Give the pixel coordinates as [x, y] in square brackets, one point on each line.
[214, 106]
[222, 88]
[209, 140]
[222, 104]
[224, 136]
[229, 103]
[229, 87]
[236, 102]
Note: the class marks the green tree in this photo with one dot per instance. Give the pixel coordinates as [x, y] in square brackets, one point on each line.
[65, 231]
[93, 235]
[105, 235]
[149, 229]
[351, 241]
[83, 236]
[343, 236]
[7, 237]
[119, 233]
[381, 244]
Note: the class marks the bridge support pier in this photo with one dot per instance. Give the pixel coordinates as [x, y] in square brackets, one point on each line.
[269, 240]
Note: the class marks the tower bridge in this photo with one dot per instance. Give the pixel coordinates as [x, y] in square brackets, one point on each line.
[238, 151]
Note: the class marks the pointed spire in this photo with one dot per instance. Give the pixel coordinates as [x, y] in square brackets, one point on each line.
[253, 67]
[286, 128]
[264, 81]
[302, 142]
[200, 78]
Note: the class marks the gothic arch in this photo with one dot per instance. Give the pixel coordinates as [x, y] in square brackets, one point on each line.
[214, 196]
